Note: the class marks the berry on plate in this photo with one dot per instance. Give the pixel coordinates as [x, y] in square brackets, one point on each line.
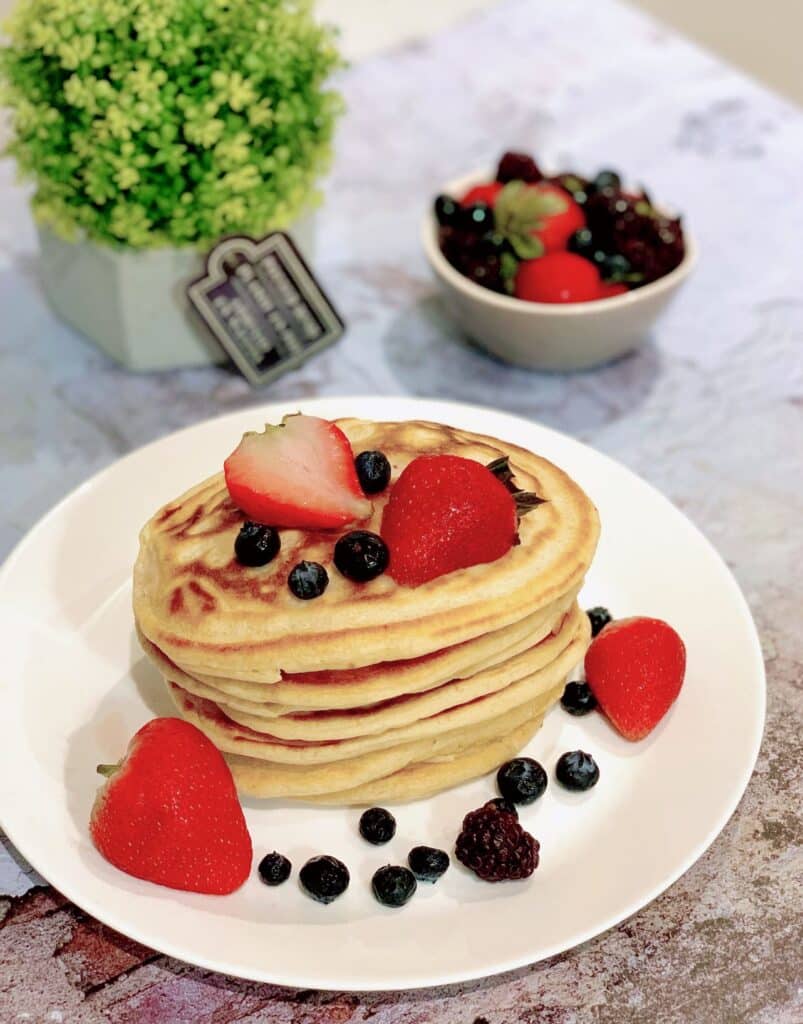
[557, 277]
[577, 770]
[635, 668]
[446, 513]
[522, 780]
[377, 826]
[495, 847]
[274, 868]
[393, 885]
[324, 878]
[578, 699]
[299, 474]
[169, 812]
[428, 863]
[361, 555]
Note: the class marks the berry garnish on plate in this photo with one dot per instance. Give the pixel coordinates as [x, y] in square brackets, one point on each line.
[635, 668]
[446, 513]
[577, 770]
[501, 804]
[274, 868]
[428, 863]
[324, 878]
[169, 812]
[495, 847]
[393, 885]
[522, 780]
[377, 826]
[578, 699]
[299, 474]
[308, 580]
[599, 618]
[361, 555]
[373, 471]
[256, 544]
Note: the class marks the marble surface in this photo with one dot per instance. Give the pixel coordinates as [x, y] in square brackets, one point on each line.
[709, 410]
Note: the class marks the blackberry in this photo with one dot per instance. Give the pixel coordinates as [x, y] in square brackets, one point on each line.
[607, 180]
[361, 555]
[324, 878]
[427, 863]
[577, 770]
[274, 869]
[308, 580]
[373, 471]
[393, 885]
[447, 210]
[256, 544]
[652, 244]
[518, 167]
[599, 618]
[377, 825]
[495, 847]
[522, 780]
[578, 699]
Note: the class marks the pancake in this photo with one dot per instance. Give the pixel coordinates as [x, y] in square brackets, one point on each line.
[359, 688]
[206, 613]
[231, 737]
[425, 778]
[406, 709]
[351, 688]
[254, 777]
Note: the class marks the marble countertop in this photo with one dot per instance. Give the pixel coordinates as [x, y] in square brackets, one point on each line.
[710, 410]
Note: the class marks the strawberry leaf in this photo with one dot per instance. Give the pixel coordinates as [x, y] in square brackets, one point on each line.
[520, 208]
[526, 247]
[508, 267]
[525, 501]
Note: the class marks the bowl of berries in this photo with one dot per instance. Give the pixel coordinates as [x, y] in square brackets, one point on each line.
[558, 271]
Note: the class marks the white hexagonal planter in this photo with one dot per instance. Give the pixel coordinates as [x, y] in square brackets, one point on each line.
[132, 303]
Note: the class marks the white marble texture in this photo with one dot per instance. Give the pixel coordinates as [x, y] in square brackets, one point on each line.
[710, 410]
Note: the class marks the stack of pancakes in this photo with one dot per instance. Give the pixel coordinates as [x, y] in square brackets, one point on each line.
[372, 691]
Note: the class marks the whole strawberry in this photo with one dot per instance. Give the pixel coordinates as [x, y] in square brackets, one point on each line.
[635, 668]
[169, 812]
[446, 513]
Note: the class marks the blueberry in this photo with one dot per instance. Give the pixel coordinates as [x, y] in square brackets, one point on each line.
[447, 211]
[615, 267]
[256, 544]
[501, 804]
[393, 885]
[361, 555]
[308, 580]
[427, 863]
[274, 869]
[577, 770]
[607, 179]
[377, 825]
[582, 242]
[478, 217]
[599, 618]
[522, 780]
[578, 699]
[373, 471]
[324, 878]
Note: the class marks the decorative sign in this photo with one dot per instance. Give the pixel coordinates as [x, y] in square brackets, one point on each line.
[263, 304]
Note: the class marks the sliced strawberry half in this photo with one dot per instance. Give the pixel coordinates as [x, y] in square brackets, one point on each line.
[299, 474]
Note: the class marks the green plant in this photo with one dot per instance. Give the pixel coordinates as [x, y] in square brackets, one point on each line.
[157, 122]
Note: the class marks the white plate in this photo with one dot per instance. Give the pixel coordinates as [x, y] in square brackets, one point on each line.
[76, 687]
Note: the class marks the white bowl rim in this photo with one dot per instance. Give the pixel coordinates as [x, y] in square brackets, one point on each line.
[444, 269]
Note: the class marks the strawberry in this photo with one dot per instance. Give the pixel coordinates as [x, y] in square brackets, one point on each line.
[557, 277]
[445, 513]
[299, 474]
[635, 669]
[169, 812]
[609, 289]
[482, 194]
[557, 228]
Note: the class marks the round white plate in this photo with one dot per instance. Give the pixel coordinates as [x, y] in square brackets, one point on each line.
[75, 687]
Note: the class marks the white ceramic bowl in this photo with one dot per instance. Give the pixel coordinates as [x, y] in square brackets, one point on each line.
[549, 336]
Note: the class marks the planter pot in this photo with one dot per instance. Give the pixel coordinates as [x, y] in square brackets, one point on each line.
[132, 303]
